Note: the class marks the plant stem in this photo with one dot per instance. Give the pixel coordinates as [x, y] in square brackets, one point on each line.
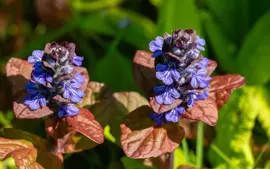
[171, 160]
[199, 146]
[186, 150]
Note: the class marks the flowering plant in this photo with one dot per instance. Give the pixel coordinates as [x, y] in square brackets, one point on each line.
[176, 80]
[51, 84]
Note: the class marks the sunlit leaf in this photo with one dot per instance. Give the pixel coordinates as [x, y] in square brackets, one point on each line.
[234, 129]
[179, 158]
[11, 133]
[85, 124]
[95, 5]
[221, 87]
[189, 167]
[203, 110]
[142, 139]
[25, 155]
[89, 132]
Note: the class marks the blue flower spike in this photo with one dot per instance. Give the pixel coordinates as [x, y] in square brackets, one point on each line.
[182, 72]
[54, 75]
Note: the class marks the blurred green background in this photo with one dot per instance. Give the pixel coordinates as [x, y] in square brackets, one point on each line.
[108, 33]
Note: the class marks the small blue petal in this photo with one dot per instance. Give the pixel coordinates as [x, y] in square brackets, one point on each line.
[174, 114]
[36, 56]
[161, 67]
[158, 118]
[166, 94]
[157, 53]
[68, 110]
[77, 60]
[160, 89]
[156, 45]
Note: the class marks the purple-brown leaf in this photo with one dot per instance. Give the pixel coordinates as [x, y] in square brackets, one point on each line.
[142, 139]
[74, 142]
[111, 108]
[144, 71]
[81, 128]
[220, 90]
[85, 124]
[22, 111]
[22, 151]
[211, 67]
[221, 87]
[203, 110]
[161, 108]
[11, 133]
[18, 72]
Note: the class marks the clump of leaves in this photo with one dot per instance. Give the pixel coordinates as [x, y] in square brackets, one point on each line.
[176, 80]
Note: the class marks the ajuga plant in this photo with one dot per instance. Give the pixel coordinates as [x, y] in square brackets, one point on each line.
[177, 81]
[51, 85]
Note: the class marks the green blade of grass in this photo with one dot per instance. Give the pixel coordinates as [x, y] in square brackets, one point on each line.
[186, 150]
[261, 154]
[221, 154]
[199, 146]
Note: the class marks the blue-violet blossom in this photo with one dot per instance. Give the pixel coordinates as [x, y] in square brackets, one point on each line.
[54, 80]
[182, 70]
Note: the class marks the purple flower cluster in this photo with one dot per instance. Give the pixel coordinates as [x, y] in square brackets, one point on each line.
[54, 80]
[181, 70]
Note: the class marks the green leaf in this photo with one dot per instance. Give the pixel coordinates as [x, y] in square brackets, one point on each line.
[130, 163]
[140, 29]
[254, 55]
[232, 17]
[96, 5]
[234, 130]
[115, 71]
[223, 47]
[179, 158]
[264, 110]
[156, 3]
[93, 25]
[175, 14]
